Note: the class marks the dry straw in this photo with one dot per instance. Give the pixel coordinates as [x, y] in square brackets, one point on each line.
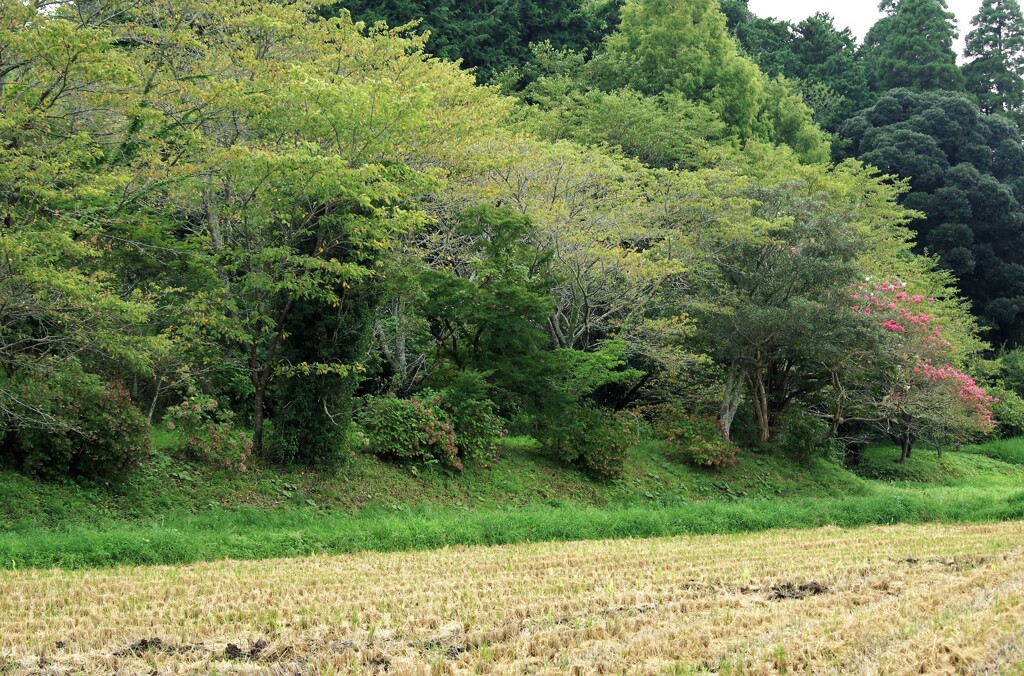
[876, 600]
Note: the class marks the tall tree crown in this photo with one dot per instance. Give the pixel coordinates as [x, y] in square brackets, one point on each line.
[995, 48]
[913, 47]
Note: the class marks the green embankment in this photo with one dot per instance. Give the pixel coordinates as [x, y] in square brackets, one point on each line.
[175, 513]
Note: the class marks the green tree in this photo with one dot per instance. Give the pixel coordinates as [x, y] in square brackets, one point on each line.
[486, 296]
[684, 47]
[64, 316]
[666, 45]
[667, 131]
[277, 147]
[962, 166]
[913, 47]
[772, 296]
[996, 51]
[822, 61]
[832, 73]
[494, 35]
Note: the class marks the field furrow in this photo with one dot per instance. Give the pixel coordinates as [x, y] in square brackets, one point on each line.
[904, 599]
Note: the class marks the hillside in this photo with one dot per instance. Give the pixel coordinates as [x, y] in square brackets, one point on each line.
[182, 513]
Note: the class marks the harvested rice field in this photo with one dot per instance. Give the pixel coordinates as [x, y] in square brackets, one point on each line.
[904, 599]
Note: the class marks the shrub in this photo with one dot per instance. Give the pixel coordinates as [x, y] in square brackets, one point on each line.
[92, 429]
[308, 422]
[207, 432]
[1009, 412]
[697, 439]
[595, 439]
[478, 427]
[801, 436]
[416, 429]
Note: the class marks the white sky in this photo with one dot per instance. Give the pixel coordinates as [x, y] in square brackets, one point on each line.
[858, 15]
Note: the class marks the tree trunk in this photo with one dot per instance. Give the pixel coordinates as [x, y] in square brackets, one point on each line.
[854, 453]
[730, 401]
[156, 398]
[627, 399]
[759, 398]
[905, 445]
[261, 378]
[257, 421]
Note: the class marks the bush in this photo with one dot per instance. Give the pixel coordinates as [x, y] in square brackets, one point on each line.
[309, 430]
[801, 436]
[207, 433]
[92, 430]
[1009, 412]
[697, 439]
[416, 429]
[595, 439]
[478, 427]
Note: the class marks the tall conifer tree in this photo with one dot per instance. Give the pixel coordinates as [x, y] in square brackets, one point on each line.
[913, 47]
[996, 50]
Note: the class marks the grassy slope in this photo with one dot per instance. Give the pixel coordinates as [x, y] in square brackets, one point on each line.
[522, 476]
[175, 513]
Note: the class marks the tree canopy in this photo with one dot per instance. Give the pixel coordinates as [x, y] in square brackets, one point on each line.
[292, 235]
[995, 48]
[963, 168]
[913, 47]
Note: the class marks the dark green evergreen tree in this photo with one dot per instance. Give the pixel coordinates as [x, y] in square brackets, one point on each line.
[493, 35]
[736, 12]
[996, 50]
[965, 171]
[832, 72]
[823, 61]
[913, 47]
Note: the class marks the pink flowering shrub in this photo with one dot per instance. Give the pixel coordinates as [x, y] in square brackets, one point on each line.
[926, 396]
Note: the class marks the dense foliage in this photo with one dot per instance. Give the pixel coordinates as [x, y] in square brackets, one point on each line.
[296, 236]
[967, 173]
[492, 36]
[900, 102]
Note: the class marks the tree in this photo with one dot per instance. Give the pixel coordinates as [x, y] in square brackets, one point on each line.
[64, 318]
[962, 166]
[822, 62]
[913, 47]
[996, 51]
[907, 384]
[282, 151]
[485, 293]
[667, 131]
[768, 299]
[665, 46]
[832, 73]
[495, 35]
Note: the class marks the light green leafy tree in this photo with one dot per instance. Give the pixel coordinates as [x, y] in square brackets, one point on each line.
[684, 47]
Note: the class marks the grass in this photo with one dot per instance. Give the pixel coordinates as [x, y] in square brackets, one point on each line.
[523, 476]
[1010, 451]
[975, 465]
[180, 513]
[903, 599]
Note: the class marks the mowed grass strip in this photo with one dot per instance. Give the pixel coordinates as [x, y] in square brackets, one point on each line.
[872, 600]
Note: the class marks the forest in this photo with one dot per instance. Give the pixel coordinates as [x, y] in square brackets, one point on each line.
[287, 233]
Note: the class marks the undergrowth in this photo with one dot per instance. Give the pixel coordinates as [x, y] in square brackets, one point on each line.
[179, 513]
